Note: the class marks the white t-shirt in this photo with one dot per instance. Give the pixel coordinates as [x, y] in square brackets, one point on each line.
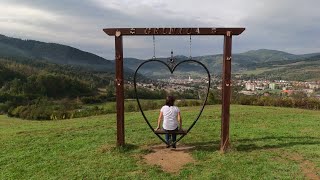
[170, 114]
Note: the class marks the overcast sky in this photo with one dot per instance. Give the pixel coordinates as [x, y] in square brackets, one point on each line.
[288, 25]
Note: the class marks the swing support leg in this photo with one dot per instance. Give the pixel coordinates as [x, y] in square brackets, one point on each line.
[119, 88]
[226, 93]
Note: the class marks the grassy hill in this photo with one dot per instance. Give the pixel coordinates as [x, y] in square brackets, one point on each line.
[267, 143]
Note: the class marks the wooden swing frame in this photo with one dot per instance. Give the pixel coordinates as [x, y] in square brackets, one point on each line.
[226, 78]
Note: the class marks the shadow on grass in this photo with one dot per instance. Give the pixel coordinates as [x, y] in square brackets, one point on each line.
[209, 146]
[270, 142]
[126, 148]
[262, 143]
[246, 145]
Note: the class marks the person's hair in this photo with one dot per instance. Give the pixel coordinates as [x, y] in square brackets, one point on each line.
[170, 100]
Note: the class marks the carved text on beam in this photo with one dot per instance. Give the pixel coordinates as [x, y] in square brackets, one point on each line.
[172, 31]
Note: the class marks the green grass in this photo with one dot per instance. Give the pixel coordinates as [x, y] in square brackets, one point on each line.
[267, 143]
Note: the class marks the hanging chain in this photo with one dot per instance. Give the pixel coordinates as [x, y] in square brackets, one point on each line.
[190, 57]
[154, 48]
[171, 62]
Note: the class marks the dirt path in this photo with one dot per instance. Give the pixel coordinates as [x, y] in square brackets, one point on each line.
[308, 168]
[170, 160]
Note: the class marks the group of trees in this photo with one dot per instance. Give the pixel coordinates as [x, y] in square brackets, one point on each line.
[49, 85]
[25, 83]
[296, 101]
[146, 93]
[40, 90]
[293, 102]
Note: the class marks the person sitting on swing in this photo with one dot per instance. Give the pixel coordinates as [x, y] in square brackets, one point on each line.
[171, 117]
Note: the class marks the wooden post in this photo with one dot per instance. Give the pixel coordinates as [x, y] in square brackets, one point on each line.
[119, 88]
[226, 92]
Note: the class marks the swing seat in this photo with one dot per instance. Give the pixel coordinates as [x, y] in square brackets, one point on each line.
[161, 131]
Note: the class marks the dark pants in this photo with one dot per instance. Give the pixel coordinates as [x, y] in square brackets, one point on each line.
[172, 137]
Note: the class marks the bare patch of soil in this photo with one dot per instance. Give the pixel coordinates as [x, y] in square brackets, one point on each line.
[170, 160]
[308, 168]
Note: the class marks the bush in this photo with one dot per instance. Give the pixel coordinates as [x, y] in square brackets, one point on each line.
[131, 106]
[96, 99]
[111, 108]
[194, 103]
[305, 103]
[30, 112]
[91, 111]
[4, 107]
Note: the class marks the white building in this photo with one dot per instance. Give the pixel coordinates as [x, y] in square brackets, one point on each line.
[250, 86]
[314, 86]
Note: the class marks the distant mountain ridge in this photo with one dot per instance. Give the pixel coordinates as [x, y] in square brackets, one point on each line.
[52, 52]
[261, 63]
[264, 55]
[241, 62]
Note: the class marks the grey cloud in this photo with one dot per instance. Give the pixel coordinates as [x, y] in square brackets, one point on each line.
[88, 18]
[283, 25]
[85, 18]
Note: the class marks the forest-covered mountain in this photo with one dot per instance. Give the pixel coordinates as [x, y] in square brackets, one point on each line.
[51, 52]
[241, 60]
[303, 68]
[39, 78]
[262, 62]
[33, 89]
[158, 70]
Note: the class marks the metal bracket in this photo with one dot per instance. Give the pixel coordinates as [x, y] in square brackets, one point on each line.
[228, 33]
[118, 82]
[171, 61]
[118, 57]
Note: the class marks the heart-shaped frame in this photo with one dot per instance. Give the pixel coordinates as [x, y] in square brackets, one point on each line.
[171, 69]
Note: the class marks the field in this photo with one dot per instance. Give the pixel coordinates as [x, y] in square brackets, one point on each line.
[267, 143]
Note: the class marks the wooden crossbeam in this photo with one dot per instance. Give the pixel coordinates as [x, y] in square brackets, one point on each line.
[171, 31]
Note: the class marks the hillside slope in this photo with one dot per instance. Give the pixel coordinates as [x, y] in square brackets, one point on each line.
[269, 142]
[261, 62]
[52, 52]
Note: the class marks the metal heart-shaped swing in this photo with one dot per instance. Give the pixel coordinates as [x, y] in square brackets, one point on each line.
[171, 66]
